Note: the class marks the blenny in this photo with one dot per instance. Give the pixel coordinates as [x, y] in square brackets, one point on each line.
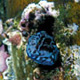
[42, 48]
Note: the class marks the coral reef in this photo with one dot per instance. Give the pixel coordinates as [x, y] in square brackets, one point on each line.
[17, 35]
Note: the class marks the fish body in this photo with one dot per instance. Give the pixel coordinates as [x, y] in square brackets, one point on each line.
[42, 48]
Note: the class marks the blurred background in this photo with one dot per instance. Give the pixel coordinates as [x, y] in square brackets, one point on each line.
[12, 8]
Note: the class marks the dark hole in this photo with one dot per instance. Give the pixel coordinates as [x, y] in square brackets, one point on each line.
[8, 59]
[6, 74]
[37, 76]
[31, 16]
[24, 33]
[46, 49]
[1, 43]
[34, 51]
[6, 48]
[47, 41]
[23, 25]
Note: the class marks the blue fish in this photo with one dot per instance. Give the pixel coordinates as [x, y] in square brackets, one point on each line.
[42, 49]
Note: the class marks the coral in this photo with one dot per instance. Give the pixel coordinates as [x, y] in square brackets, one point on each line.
[37, 17]
[3, 57]
[76, 38]
[76, 51]
[15, 40]
[74, 13]
[1, 26]
[19, 66]
[9, 73]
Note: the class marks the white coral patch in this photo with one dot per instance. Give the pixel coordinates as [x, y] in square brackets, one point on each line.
[73, 28]
[35, 8]
[76, 0]
[1, 27]
[76, 50]
[54, 13]
[46, 4]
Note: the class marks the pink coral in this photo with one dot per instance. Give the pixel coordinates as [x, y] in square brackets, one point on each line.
[16, 39]
[3, 56]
